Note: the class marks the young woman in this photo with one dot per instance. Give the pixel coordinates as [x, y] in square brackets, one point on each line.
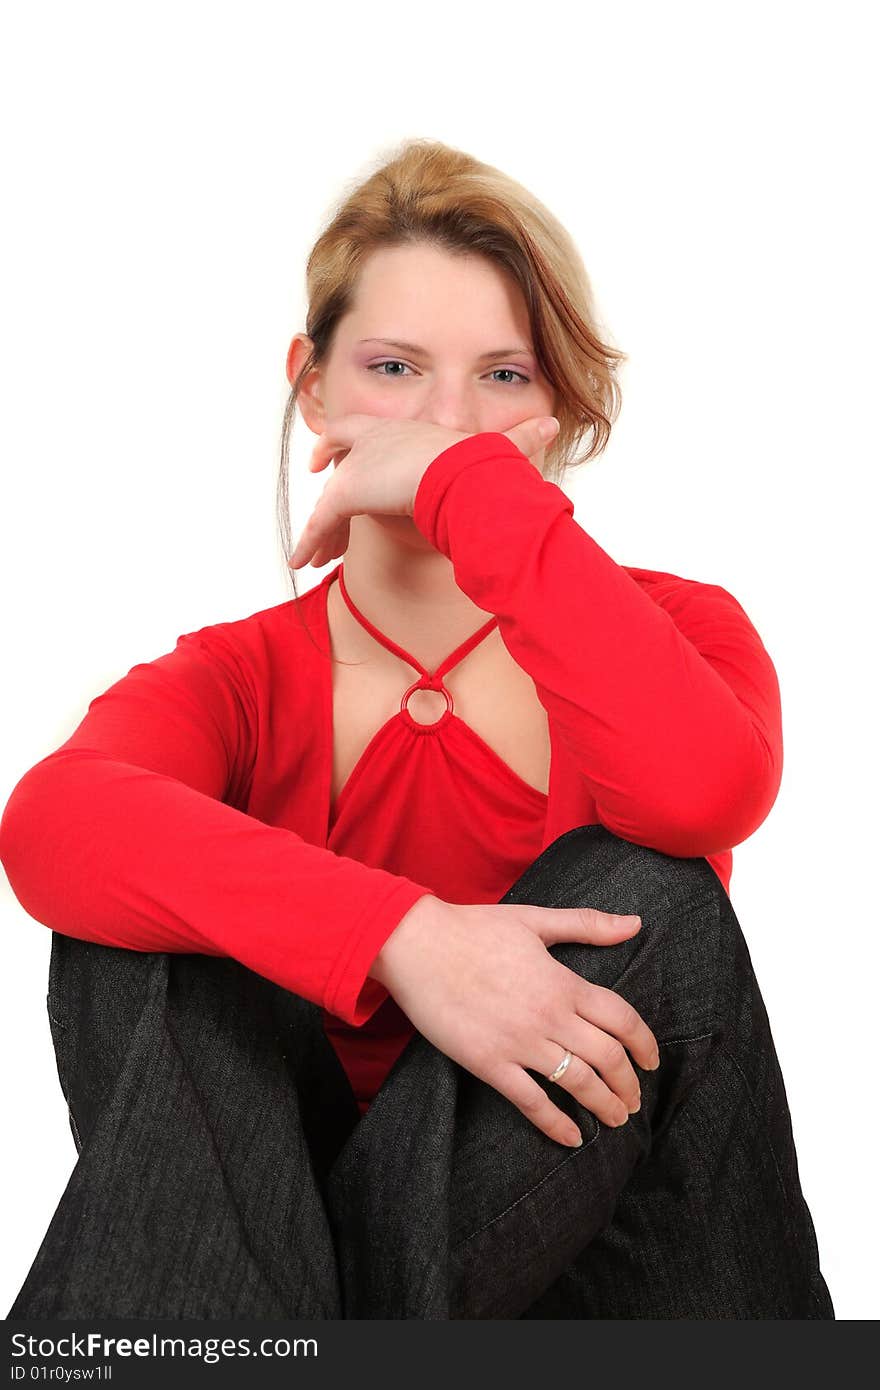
[353, 1010]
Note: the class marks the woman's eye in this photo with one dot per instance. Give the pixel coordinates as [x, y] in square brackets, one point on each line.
[394, 362]
[511, 372]
[377, 366]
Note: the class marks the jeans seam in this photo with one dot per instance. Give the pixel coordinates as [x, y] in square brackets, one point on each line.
[62, 1025]
[59, 1022]
[75, 1127]
[692, 1037]
[492, 1220]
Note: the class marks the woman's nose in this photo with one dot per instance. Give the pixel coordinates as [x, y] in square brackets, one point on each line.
[452, 417]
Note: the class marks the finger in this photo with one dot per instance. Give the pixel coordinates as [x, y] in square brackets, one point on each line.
[304, 548]
[531, 436]
[320, 457]
[521, 1090]
[604, 1056]
[581, 1080]
[338, 437]
[333, 546]
[313, 535]
[326, 547]
[554, 924]
[608, 1010]
[326, 516]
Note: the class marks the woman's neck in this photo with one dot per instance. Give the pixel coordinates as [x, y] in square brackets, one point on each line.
[407, 589]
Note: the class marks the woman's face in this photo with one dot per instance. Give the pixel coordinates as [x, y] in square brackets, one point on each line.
[431, 336]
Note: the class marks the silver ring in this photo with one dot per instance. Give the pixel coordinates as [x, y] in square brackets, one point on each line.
[563, 1067]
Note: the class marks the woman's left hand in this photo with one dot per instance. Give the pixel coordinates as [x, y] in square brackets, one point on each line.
[381, 463]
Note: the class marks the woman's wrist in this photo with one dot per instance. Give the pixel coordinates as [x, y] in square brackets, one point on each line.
[424, 915]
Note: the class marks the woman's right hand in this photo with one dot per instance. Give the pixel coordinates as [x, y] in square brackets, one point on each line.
[478, 982]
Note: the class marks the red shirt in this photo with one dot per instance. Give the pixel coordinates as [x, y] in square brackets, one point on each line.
[190, 809]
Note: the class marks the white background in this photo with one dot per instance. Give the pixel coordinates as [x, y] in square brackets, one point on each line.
[166, 170]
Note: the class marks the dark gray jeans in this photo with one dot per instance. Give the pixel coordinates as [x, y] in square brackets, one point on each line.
[224, 1171]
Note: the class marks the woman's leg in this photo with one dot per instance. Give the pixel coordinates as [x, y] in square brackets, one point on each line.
[206, 1106]
[446, 1202]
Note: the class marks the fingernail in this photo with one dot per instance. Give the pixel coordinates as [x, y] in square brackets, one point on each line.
[548, 427]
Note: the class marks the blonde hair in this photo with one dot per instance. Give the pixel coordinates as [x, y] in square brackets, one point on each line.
[428, 192]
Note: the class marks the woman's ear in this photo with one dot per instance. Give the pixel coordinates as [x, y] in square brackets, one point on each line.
[309, 394]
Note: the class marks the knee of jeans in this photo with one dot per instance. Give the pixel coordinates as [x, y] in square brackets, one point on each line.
[675, 968]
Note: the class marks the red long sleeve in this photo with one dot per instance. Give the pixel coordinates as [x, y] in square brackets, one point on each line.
[124, 836]
[668, 702]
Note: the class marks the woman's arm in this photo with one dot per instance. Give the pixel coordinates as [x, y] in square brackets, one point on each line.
[660, 687]
[124, 836]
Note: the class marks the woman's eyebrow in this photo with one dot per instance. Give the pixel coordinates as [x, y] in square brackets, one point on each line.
[417, 351]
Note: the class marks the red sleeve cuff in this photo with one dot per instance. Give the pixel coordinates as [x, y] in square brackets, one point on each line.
[498, 457]
[351, 995]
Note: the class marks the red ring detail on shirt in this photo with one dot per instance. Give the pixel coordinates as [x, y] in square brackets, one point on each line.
[427, 683]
